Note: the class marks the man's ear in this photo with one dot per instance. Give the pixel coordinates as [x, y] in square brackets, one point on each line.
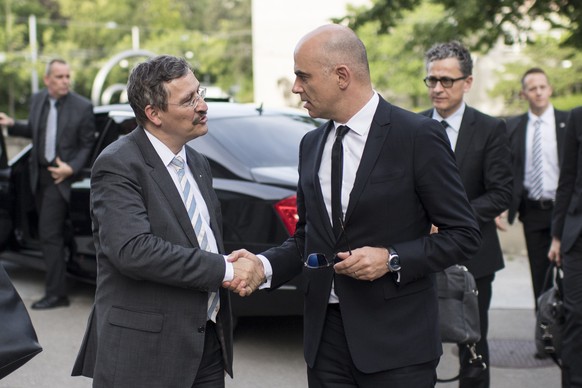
[153, 116]
[343, 76]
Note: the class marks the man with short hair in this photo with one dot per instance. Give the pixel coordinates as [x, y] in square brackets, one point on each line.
[62, 128]
[372, 179]
[483, 157]
[161, 317]
[536, 170]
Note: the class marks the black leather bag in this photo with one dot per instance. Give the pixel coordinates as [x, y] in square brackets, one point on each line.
[550, 316]
[458, 306]
[459, 314]
[18, 341]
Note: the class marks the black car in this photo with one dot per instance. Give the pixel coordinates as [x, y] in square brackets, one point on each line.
[253, 153]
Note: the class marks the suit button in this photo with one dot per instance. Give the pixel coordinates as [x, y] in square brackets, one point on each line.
[201, 329]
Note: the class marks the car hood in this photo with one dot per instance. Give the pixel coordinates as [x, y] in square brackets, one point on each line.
[283, 175]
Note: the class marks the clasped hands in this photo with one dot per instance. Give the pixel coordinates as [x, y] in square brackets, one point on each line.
[249, 272]
[366, 263]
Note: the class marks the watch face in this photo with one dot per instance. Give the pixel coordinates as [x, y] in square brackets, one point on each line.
[395, 263]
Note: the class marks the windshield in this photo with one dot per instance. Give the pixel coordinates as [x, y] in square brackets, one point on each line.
[266, 141]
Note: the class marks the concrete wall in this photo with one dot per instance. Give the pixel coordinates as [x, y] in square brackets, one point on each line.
[277, 27]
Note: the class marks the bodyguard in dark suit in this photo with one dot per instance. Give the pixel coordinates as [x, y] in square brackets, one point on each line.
[160, 317]
[62, 128]
[482, 152]
[535, 206]
[566, 248]
[371, 313]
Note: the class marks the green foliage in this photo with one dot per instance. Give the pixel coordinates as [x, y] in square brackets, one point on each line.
[482, 22]
[562, 65]
[214, 35]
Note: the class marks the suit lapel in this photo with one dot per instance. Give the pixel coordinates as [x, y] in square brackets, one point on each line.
[163, 180]
[378, 132]
[561, 118]
[465, 137]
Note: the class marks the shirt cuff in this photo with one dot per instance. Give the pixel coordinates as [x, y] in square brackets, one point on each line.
[268, 272]
[228, 271]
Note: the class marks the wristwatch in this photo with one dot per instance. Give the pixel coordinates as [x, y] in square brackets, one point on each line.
[393, 261]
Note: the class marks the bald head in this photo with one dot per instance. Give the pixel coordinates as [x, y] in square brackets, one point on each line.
[334, 45]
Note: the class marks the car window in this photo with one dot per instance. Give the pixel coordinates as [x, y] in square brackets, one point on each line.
[264, 141]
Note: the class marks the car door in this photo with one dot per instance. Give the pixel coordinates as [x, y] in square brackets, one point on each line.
[5, 198]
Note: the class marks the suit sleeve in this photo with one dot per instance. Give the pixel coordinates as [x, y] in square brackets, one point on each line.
[497, 176]
[444, 201]
[568, 172]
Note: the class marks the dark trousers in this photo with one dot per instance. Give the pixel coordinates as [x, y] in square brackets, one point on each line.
[538, 238]
[484, 287]
[211, 370]
[53, 211]
[334, 367]
[572, 334]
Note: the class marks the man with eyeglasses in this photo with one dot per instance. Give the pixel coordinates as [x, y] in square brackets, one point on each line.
[535, 201]
[160, 317]
[483, 157]
[371, 181]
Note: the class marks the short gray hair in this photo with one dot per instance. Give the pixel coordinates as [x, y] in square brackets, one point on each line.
[453, 49]
[147, 83]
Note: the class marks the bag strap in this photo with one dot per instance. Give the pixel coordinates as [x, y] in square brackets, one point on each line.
[475, 367]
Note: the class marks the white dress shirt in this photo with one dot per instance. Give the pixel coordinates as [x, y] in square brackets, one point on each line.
[454, 123]
[167, 156]
[551, 165]
[353, 147]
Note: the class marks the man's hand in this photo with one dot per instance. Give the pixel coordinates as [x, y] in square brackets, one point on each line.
[554, 252]
[249, 272]
[61, 172]
[5, 120]
[501, 221]
[367, 263]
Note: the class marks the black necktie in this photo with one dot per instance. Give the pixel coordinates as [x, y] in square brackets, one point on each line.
[337, 161]
[444, 124]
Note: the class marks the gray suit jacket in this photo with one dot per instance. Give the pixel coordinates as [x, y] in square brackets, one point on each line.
[147, 324]
[75, 134]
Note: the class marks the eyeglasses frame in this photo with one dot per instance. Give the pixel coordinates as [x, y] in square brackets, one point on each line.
[446, 79]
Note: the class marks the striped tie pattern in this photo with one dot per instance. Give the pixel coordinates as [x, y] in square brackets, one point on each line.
[196, 219]
[537, 181]
[51, 131]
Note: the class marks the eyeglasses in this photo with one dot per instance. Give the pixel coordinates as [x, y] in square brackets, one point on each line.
[193, 103]
[446, 82]
[321, 260]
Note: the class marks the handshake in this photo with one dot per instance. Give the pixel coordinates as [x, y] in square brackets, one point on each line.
[249, 272]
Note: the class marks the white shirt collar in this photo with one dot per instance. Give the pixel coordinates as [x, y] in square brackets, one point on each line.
[546, 117]
[453, 120]
[360, 122]
[163, 151]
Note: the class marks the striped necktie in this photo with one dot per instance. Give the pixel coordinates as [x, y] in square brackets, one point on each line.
[537, 175]
[196, 219]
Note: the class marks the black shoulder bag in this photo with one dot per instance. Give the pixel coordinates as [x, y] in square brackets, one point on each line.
[18, 341]
[459, 314]
[550, 316]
